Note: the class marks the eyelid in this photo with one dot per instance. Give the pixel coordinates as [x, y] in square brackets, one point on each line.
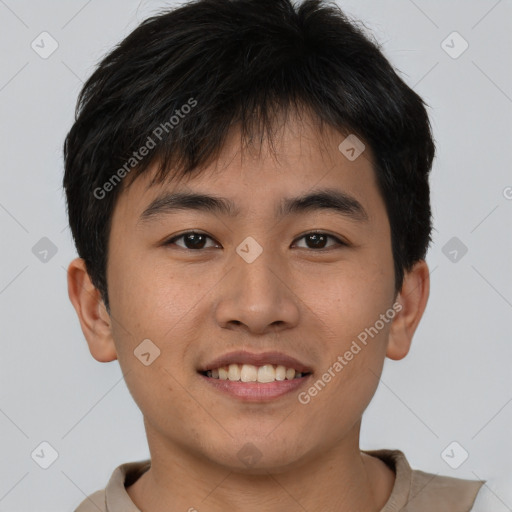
[339, 241]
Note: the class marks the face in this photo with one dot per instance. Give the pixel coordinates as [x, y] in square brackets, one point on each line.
[299, 282]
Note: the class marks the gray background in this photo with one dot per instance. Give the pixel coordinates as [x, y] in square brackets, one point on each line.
[455, 384]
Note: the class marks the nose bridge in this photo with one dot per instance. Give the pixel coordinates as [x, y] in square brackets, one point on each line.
[255, 269]
[258, 279]
[257, 294]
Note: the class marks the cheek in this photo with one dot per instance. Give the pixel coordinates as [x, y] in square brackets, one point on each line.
[149, 299]
[152, 304]
[359, 314]
[348, 308]
[162, 397]
[350, 300]
[144, 315]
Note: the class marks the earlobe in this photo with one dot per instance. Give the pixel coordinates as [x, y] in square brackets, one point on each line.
[93, 317]
[412, 301]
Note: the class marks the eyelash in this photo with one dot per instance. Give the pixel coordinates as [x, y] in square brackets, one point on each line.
[340, 243]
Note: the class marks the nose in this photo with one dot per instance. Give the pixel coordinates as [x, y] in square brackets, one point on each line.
[257, 297]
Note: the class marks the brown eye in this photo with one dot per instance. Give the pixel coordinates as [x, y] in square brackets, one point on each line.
[317, 240]
[191, 240]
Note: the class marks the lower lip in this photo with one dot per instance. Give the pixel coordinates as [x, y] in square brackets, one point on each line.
[256, 391]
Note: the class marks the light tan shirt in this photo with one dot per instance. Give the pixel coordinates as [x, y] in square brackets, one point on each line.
[413, 491]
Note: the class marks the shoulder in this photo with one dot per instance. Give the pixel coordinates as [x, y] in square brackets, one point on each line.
[114, 497]
[448, 494]
[419, 491]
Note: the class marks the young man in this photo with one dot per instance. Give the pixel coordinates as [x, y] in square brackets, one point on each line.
[247, 187]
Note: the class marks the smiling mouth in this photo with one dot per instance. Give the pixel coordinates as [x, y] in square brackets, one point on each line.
[250, 373]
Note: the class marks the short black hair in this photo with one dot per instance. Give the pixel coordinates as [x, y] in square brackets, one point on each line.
[185, 77]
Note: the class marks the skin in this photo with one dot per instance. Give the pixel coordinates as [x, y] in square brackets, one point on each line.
[308, 302]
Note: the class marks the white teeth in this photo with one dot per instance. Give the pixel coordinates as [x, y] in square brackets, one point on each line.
[290, 373]
[251, 373]
[248, 373]
[266, 373]
[280, 372]
[234, 372]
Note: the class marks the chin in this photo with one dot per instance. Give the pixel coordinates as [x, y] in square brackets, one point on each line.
[254, 455]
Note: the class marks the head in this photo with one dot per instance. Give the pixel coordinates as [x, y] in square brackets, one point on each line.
[292, 121]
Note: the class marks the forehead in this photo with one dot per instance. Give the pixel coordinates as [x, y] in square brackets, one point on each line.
[301, 156]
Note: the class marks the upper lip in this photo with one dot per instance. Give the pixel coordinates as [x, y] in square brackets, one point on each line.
[259, 359]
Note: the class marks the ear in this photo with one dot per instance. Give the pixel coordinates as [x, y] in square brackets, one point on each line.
[412, 299]
[94, 318]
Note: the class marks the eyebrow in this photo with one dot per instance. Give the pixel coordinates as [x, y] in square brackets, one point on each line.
[329, 199]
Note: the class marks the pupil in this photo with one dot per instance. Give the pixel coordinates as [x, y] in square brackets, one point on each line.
[195, 245]
[316, 238]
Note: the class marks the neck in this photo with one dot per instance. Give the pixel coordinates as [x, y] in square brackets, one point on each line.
[340, 480]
